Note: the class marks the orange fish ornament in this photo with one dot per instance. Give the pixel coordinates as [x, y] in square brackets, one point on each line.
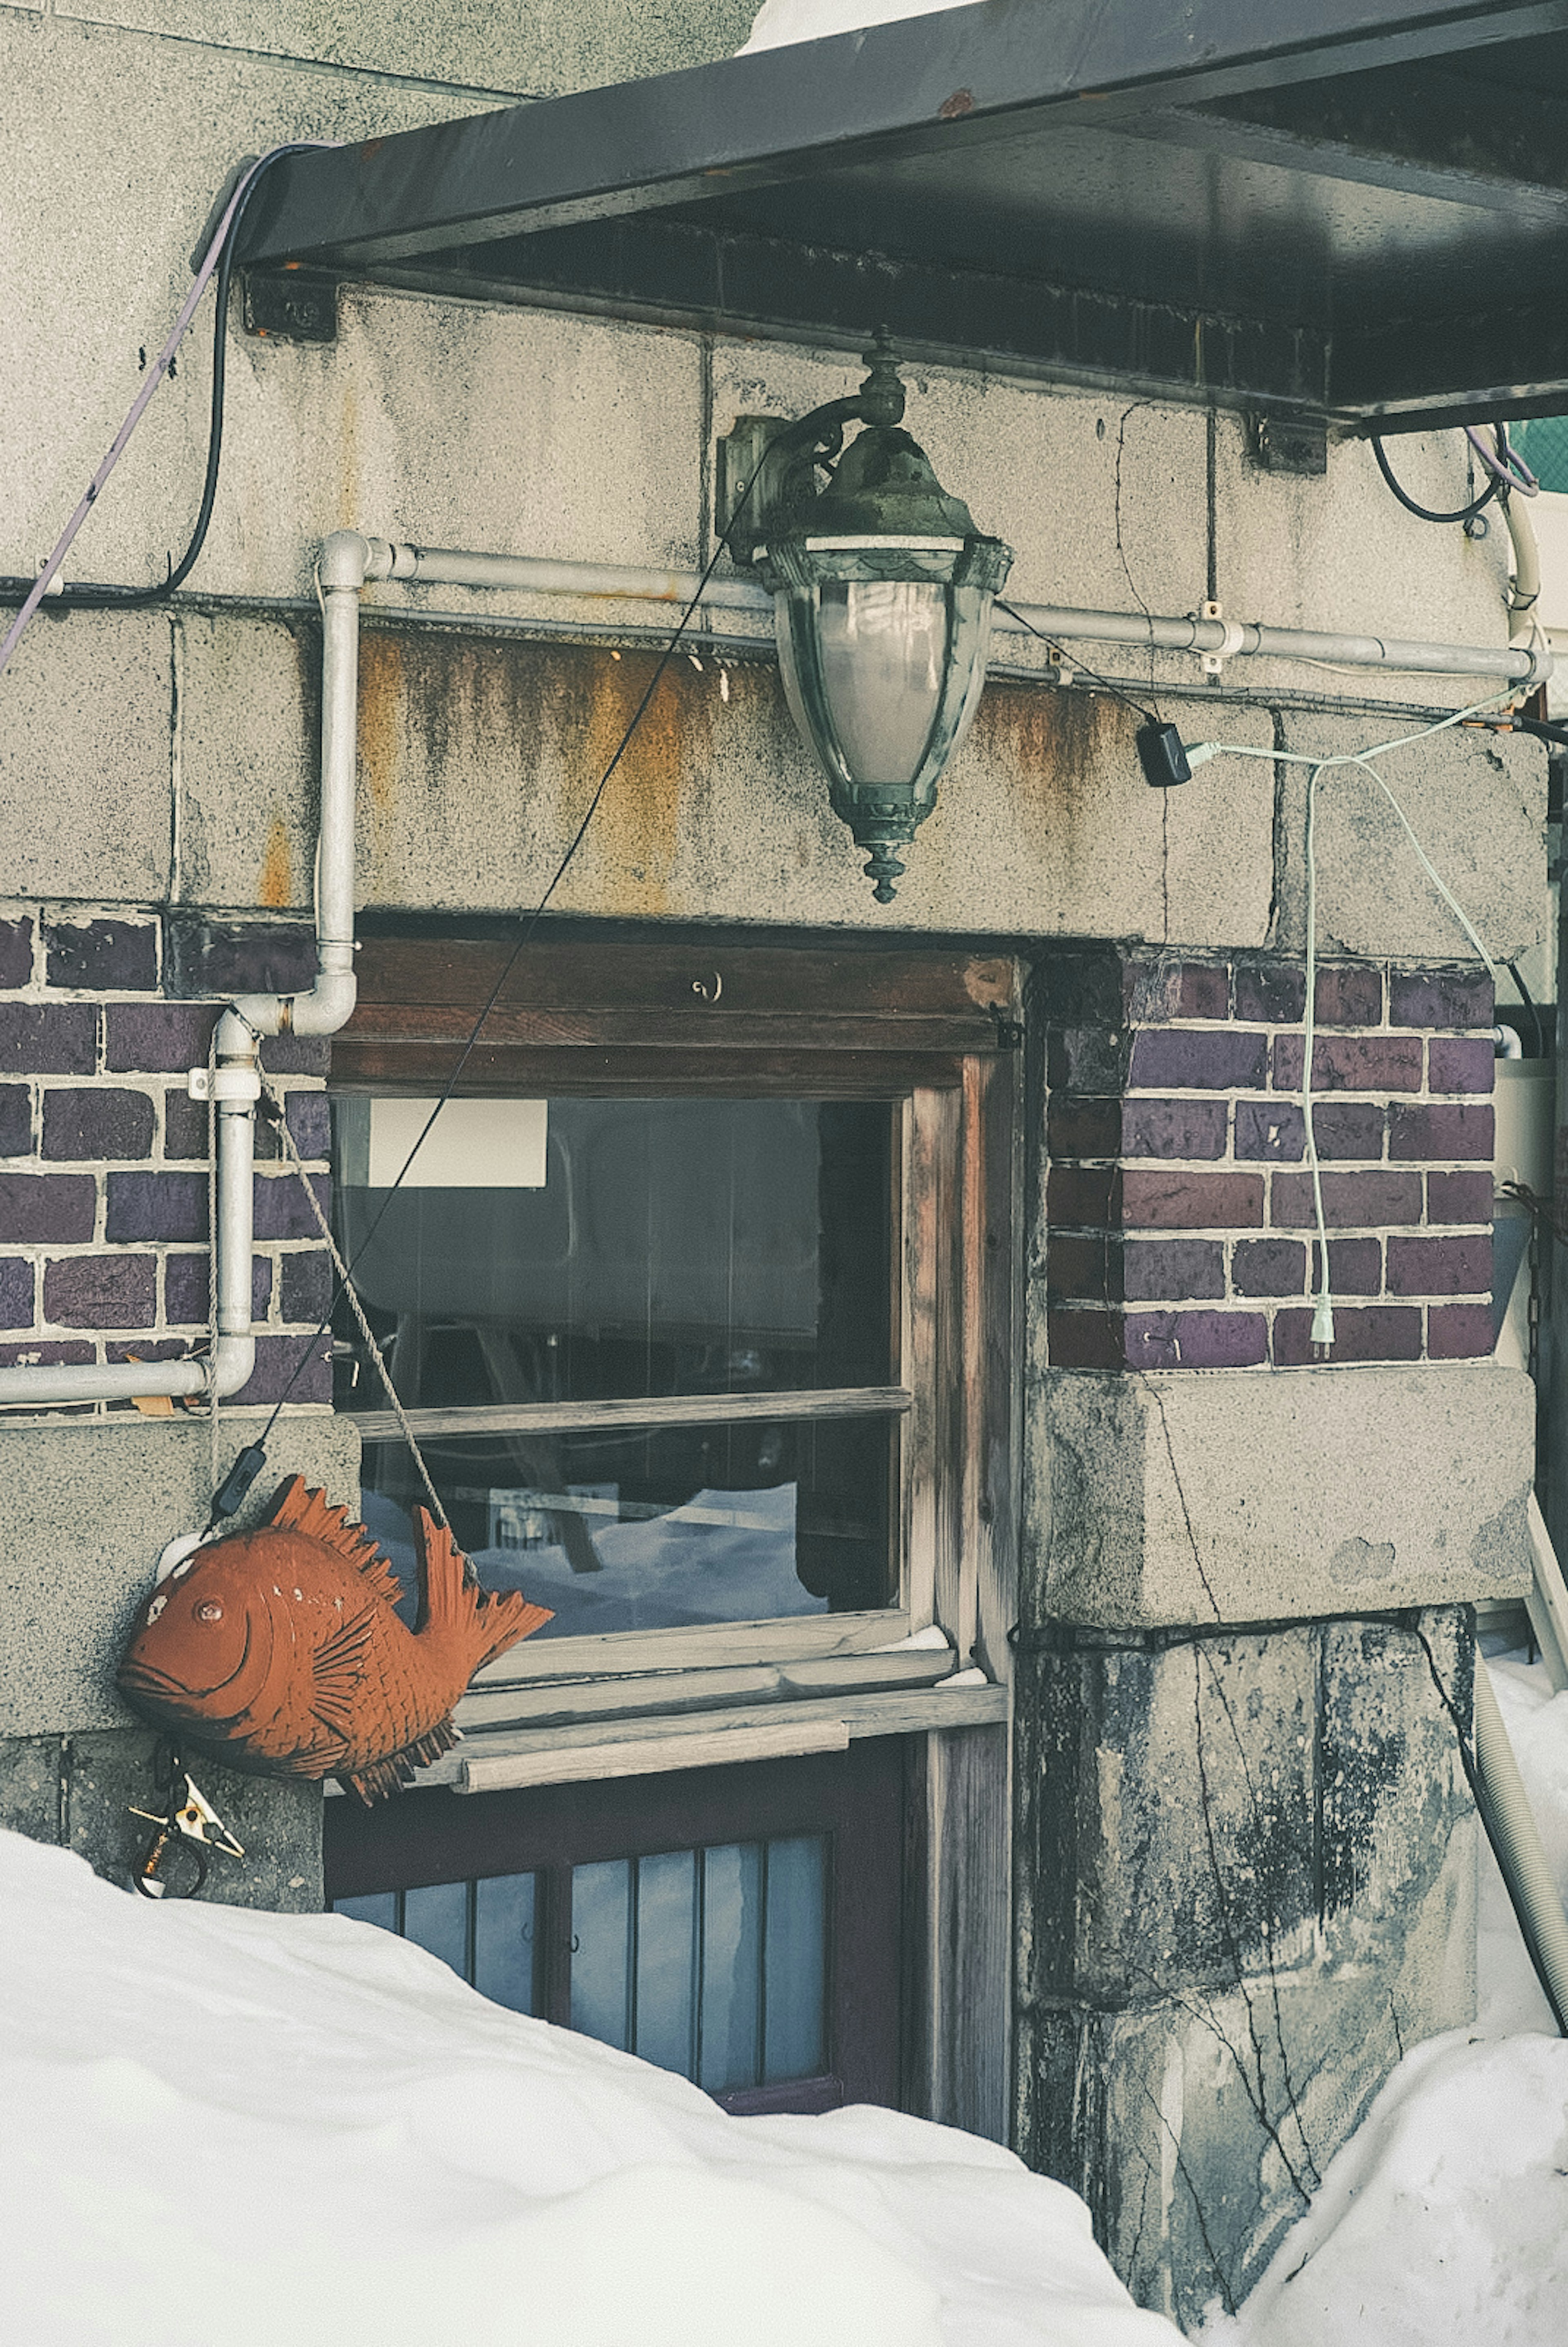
[279, 1650]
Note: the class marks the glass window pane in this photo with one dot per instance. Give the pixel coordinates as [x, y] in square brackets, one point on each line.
[740, 1523]
[376, 1907]
[436, 1917]
[795, 2039]
[667, 1960]
[732, 1972]
[675, 1247]
[503, 1940]
[600, 1945]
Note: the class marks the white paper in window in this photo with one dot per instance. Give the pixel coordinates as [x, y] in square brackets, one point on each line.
[473, 1145]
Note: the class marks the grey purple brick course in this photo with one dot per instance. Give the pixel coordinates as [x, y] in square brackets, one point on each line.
[86, 1122]
[101, 1291]
[102, 955]
[1348, 994]
[1440, 998]
[1190, 1201]
[16, 1121]
[276, 1359]
[1204, 990]
[48, 1038]
[1355, 1267]
[17, 1282]
[1460, 1332]
[157, 1206]
[45, 1208]
[1084, 1340]
[1175, 1128]
[1177, 1059]
[157, 1038]
[1351, 1201]
[305, 1284]
[1440, 1130]
[16, 953]
[186, 1303]
[1272, 994]
[1464, 1063]
[1268, 1268]
[1082, 1128]
[1076, 1195]
[1155, 1270]
[1375, 1332]
[1195, 1340]
[1445, 1267]
[45, 1351]
[282, 1210]
[1351, 1063]
[1459, 1197]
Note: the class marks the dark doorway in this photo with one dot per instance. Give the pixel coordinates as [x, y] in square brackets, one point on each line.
[742, 1926]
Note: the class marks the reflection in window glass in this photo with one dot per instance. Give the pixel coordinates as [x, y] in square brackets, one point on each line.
[437, 1918]
[484, 1929]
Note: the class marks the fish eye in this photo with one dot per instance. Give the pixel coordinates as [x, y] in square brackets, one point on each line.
[208, 1610]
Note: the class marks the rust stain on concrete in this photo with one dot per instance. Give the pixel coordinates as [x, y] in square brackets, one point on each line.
[380, 707]
[1052, 750]
[275, 886]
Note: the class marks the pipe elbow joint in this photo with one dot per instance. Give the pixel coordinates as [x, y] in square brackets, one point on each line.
[346, 561]
[232, 1364]
[328, 1006]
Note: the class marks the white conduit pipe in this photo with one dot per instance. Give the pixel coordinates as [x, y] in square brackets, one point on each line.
[1516, 1842]
[1528, 662]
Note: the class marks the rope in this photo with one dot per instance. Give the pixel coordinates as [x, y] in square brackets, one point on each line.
[280, 1117]
[214, 1472]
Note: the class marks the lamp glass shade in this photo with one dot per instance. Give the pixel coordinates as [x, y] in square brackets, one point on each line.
[882, 649]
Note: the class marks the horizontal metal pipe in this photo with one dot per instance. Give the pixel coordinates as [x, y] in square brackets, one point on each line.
[448, 566]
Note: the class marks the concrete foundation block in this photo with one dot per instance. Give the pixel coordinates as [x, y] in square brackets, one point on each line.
[90, 1503]
[276, 1822]
[1246, 1884]
[1187, 1496]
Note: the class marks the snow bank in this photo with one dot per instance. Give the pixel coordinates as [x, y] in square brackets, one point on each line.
[230, 2130]
[780, 22]
[1444, 2220]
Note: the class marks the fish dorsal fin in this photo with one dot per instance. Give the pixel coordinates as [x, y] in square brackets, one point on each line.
[452, 1603]
[313, 1514]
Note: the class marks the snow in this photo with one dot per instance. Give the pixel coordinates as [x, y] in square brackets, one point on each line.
[780, 22]
[1443, 2222]
[225, 2128]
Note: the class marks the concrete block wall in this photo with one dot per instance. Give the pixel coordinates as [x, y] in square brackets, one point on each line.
[1178, 1206]
[104, 1156]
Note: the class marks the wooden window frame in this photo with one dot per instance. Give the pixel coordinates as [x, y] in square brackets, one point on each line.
[931, 1031]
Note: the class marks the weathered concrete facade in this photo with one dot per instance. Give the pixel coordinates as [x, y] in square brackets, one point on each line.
[1245, 1856]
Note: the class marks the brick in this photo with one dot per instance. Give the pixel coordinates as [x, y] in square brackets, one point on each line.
[108, 956]
[43, 1352]
[1459, 1197]
[1087, 1059]
[101, 1291]
[1271, 993]
[1460, 1332]
[148, 1349]
[1083, 986]
[185, 1128]
[86, 1123]
[1082, 1193]
[1151, 1201]
[1175, 1128]
[1349, 994]
[1195, 1340]
[1268, 1268]
[1440, 998]
[1447, 1266]
[157, 1206]
[1461, 1064]
[1374, 1332]
[1204, 990]
[1078, 1269]
[276, 1357]
[1347, 1128]
[1075, 1127]
[1370, 1201]
[1351, 1063]
[16, 1292]
[47, 1206]
[1270, 1129]
[16, 1121]
[185, 1298]
[1157, 1270]
[48, 1038]
[297, 1055]
[158, 1038]
[1173, 1060]
[306, 1284]
[311, 1123]
[230, 957]
[1355, 1267]
[1442, 1130]
[16, 951]
[1084, 1340]
[282, 1211]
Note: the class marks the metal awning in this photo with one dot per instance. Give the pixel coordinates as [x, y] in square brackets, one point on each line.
[1350, 207]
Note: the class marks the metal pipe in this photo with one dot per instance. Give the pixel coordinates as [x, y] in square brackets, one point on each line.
[447, 567]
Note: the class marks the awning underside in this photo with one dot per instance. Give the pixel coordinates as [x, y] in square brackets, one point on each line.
[1359, 210]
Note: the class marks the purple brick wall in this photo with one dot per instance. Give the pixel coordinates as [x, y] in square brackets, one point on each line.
[103, 1157]
[1177, 1174]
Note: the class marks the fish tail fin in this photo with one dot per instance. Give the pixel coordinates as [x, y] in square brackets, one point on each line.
[452, 1600]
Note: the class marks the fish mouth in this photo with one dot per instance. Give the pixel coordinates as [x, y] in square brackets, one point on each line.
[142, 1678]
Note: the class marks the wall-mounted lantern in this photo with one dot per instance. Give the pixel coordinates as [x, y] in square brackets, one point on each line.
[882, 592]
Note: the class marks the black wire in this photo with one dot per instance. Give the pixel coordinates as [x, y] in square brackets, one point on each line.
[526, 932]
[1424, 513]
[1528, 999]
[1081, 667]
[87, 596]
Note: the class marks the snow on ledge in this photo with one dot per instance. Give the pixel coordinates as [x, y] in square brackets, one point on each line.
[778, 23]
